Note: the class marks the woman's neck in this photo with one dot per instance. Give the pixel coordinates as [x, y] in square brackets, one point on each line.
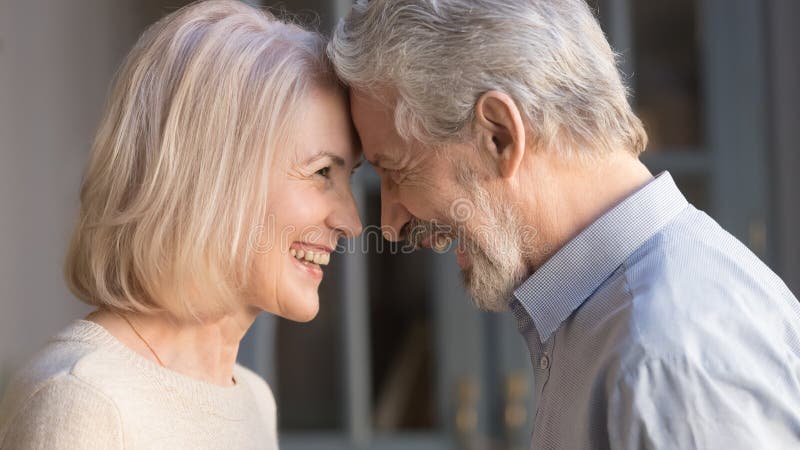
[204, 351]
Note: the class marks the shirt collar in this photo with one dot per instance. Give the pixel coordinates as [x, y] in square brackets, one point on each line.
[570, 276]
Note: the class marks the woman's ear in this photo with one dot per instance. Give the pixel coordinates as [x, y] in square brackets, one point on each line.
[500, 131]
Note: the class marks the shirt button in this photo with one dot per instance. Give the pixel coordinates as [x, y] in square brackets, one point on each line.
[544, 362]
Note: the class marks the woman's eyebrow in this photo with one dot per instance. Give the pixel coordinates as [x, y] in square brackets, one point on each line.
[337, 160]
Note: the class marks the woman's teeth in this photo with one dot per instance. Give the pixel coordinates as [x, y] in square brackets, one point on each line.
[321, 258]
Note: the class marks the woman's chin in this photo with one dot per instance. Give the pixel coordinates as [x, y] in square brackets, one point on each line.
[303, 310]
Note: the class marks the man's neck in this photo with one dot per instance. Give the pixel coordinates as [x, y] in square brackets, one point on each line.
[570, 194]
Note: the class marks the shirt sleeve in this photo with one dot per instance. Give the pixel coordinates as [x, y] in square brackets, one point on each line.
[680, 404]
[66, 414]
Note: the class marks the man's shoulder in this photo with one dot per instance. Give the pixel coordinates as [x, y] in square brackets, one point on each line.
[695, 288]
[694, 266]
[692, 246]
[693, 253]
[691, 323]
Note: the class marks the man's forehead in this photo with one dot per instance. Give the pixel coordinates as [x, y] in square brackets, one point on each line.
[379, 156]
[368, 106]
[375, 125]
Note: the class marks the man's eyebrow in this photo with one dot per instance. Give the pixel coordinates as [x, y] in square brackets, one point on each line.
[337, 160]
[377, 161]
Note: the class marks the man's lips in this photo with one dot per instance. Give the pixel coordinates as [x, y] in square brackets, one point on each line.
[443, 243]
[438, 243]
[461, 256]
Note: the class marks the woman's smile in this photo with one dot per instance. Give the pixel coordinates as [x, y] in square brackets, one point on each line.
[310, 258]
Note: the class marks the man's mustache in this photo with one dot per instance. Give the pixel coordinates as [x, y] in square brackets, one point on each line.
[437, 235]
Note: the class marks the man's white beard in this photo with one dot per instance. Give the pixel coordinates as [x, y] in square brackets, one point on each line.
[495, 249]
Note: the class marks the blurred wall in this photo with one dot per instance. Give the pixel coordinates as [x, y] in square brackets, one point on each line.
[56, 62]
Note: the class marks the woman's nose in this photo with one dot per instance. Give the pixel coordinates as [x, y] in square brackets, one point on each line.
[345, 218]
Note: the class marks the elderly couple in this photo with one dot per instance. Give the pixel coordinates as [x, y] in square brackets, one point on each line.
[648, 325]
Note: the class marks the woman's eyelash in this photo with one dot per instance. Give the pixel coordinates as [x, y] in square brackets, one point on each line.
[324, 172]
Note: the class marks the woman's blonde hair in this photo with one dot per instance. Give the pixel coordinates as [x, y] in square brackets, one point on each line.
[177, 177]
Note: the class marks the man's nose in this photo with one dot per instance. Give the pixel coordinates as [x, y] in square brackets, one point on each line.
[394, 216]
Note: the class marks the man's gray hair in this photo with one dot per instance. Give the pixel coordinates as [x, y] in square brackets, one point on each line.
[435, 58]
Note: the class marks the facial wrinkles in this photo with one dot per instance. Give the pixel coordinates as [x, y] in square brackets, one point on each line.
[294, 167]
[409, 169]
[438, 232]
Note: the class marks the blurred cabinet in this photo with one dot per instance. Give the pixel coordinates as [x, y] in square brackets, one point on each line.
[697, 74]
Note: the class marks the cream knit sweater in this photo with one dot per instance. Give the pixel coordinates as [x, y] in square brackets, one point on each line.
[86, 390]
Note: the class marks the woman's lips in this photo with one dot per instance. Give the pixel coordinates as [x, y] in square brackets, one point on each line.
[306, 246]
[310, 258]
[309, 268]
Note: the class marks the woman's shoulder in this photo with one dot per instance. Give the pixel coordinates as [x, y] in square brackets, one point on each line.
[258, 386]
[58, 357]
[63, 410]
[47, 395]
[262, 394]
[70, 352]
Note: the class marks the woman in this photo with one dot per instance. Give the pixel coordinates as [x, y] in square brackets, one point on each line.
[218, 186]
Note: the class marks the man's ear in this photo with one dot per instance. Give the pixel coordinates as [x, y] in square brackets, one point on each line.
[500, 130]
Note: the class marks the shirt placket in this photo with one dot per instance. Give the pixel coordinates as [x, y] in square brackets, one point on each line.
[542, 363]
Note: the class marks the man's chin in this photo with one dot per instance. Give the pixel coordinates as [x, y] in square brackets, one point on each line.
[485, 296]
[463, 259]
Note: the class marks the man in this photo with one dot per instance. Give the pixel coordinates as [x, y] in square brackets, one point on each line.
[506, 124]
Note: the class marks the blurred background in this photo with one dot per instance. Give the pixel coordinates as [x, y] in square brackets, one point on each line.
[398, 358]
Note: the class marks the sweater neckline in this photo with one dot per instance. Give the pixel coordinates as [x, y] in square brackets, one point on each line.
[224, 401]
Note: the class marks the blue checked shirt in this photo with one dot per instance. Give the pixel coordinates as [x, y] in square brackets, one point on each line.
[655, 328]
